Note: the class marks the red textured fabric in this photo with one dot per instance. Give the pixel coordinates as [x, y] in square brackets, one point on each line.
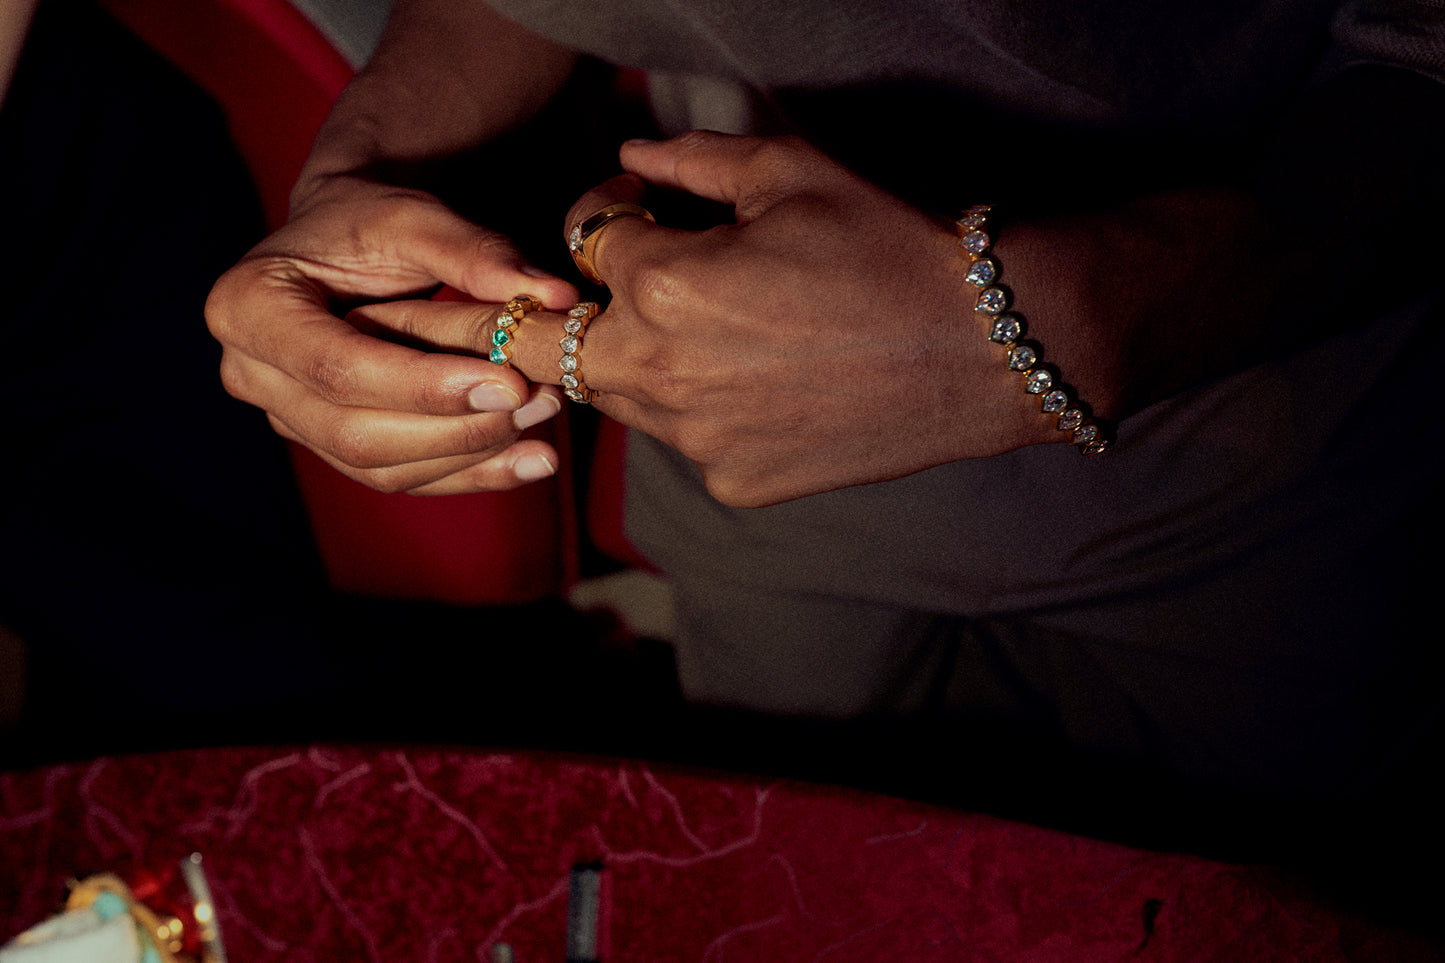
[275, 76]
[349, 853]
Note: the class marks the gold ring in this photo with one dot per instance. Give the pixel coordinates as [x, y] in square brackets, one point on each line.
[506, 331]
[582, 241]
[572, 384]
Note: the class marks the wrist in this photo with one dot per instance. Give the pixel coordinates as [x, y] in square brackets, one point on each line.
[1044, 383]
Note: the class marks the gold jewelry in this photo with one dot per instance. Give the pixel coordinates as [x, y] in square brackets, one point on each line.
[1007, 328]
[110, 896]
[582, 241]
[572, 384]
[506, 331]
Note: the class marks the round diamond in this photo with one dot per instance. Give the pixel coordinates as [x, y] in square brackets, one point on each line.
[1086, 434]
[1038, 381]
[505, 320]
[574, 394]
[1007, 328]
[1096, 447]
[567, 363]
[574, 240]
[569, 344]
[1056, 401]
[572, 326]
[982, 272]
[974, 242]
[1071, 419]
[1022, 358]
[972, 222]
[570, 381]
[992, 300]
[582, 310]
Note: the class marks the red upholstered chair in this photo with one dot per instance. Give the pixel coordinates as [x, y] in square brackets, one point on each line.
[275, 75]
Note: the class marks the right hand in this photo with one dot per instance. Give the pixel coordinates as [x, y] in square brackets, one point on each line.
[388, 406]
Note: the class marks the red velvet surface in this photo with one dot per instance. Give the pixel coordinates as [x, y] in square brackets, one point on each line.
[351, 853]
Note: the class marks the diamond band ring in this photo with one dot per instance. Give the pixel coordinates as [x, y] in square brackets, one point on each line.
[572, 384]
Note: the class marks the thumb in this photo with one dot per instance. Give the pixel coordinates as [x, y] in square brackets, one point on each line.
[747, 173]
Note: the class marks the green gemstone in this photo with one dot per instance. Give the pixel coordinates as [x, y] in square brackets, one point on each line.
[501, 337]
[498, 356]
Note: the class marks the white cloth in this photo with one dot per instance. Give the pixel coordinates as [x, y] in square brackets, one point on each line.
[76, 936]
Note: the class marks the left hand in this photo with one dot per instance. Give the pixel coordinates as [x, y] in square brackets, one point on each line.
[825, 339]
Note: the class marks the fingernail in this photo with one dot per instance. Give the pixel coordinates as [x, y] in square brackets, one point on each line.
[491, 396]
[536, 411]
[538, 273]
[533, 467]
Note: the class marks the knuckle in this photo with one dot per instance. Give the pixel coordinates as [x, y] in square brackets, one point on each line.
[482, 433]
[658, 379]
[655, 284]
[743, 488]
[388, 481]
[487, 246]
[431, 397]
[351, 444]
[233, 377]
[216, 310]
[431, 393]
[700, 443]
[331, 377]
[226, 303]
[659, 287]
[728, 488]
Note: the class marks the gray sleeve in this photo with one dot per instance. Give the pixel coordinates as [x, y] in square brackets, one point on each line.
[352, 26]
[1400, 33]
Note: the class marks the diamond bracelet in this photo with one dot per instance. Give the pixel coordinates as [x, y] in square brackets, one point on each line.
[1007, 328]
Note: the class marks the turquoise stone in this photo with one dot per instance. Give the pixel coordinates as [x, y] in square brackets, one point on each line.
[501, 338]
[108, 905]
[498, 356]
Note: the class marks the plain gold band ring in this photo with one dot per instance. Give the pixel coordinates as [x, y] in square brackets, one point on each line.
[582, 241]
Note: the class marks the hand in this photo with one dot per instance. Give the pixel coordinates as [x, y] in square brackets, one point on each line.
[372, 394]
[825, 339]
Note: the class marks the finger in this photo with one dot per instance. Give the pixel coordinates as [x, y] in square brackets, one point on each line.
[333, 359]
[725, 168]
[602, 368]
[622, 189]
[433, 241]
[526, 461]
[472, 328]
[466, 327]
[538, 352]
[523, 461]
[369, 438]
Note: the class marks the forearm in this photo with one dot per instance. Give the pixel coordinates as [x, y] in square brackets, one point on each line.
[15, 17]
[446, 77]
[1137, 303]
